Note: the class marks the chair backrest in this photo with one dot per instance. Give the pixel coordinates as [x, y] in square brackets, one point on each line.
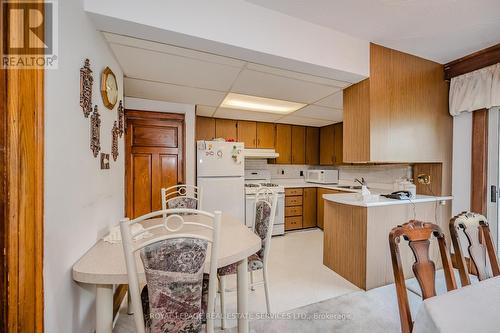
[479, 246]
[266, 201]
[173, 261]
[181, 196]
[418, 235]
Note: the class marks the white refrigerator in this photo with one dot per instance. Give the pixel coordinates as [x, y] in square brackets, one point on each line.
[220, 175]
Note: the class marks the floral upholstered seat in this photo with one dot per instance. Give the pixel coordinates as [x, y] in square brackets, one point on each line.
[182, 202]
[255, 261]
[172, 301]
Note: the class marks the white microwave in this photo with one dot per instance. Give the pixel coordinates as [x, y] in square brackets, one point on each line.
[322, 176]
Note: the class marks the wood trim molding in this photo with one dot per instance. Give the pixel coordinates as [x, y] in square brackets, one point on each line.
[472, 62]
[479, 161]
[23, 110]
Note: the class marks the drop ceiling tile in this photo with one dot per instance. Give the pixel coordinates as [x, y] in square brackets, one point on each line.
[272, 86]
[332, 101]
[171, 93]
[170, 49]
[246, 115]
[295, 120]
[205, 110]
[297, 75]
[319, 112]
[167, 68]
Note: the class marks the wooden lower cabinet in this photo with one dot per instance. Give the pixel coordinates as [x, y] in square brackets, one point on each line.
[320, 204]
[309, 209]
[293, 222]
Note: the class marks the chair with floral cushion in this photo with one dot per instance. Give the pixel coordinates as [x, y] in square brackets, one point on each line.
[265, 213]
[174, 261]
[181, 196]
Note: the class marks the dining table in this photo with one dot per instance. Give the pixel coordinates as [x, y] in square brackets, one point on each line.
[472, 309]
[103, 265]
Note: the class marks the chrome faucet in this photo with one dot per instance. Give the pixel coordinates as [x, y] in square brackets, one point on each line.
[362, 181]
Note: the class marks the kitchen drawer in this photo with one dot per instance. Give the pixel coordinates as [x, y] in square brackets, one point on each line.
[293, 191]
[293, 201]
[293, 222]
[293, 211]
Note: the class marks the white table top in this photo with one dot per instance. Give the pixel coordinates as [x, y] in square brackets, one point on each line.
[104, 263]
[354, 200]
[474, 308]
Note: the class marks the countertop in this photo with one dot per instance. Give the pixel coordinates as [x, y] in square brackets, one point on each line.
[354, 200]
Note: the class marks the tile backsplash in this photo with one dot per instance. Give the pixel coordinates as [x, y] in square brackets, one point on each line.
[378, 174]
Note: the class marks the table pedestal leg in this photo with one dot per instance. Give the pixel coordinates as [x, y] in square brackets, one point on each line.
[104, 308]
[242, 281]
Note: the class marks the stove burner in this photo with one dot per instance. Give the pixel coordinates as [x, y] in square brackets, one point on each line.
[269, 185]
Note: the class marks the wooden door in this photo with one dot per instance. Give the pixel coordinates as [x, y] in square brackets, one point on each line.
[205, 128]
[265, 135]
[326, 149]
[298, 145]
[312, 145]
[338, 143]
[226, 128]
[154, 158]
[284, 143]
[309, 207]
[247, 133]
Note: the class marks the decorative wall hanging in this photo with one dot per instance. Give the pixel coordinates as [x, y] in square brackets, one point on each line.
[95, 132]
[86, 81]
[109, 88]
[104, 161]
[115, 132]
[121, 119]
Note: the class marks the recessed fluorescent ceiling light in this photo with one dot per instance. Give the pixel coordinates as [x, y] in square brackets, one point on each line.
[260, 104]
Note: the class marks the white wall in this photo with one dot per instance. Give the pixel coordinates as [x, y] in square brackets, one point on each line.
[238, 29]
[81, 200]
[190, 116]
[461, 166]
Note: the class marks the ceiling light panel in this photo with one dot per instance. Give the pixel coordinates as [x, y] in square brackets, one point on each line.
[259, 104]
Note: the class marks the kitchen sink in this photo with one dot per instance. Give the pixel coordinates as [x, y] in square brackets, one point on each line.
[350, 187]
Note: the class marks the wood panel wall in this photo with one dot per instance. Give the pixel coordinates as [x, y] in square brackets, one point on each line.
[356, 136]
[23, 131]
[479, 159]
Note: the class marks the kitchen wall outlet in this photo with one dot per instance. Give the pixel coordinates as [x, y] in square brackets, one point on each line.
[424, 179]
[301, 173]
[282, 171]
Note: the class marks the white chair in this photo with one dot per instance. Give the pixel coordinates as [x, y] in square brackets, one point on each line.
[181, 196]
[164, 258]
[265, 213]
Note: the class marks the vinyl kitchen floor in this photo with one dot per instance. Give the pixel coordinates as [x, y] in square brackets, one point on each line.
[297, 278]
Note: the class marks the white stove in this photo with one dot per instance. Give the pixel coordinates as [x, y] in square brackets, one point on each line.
[255, 180]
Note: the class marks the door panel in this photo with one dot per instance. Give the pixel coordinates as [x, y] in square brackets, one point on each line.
[247, 131]
[298, 145]
[225, 128]
[312, 145]
[284, 143]
[265, 135]
[338, 143]
[205, 128]
[141, 187]
[309, 210]
[154, 158]
[326, 148]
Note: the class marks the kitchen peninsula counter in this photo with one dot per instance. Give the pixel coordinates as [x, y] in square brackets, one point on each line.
[356, 234]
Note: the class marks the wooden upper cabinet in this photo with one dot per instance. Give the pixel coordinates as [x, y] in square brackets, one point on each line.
[247, 132]
[205, 128]
[312, 145]
[357, 122]
[309, 207]
[226, 128]
[338, 143]
[399, 114]
[327, 148]
[298, 145]
[265, 135]
[283, 144]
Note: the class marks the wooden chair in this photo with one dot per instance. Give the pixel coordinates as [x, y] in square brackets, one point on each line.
[181, 196]
[174, 262]
[265, 212]
[479, 246]
[418, 235]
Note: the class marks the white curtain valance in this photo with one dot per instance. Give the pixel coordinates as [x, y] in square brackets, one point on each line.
[475, 90]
